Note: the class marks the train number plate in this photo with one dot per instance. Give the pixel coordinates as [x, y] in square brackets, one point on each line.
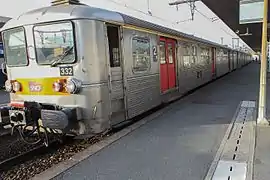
[66, 71]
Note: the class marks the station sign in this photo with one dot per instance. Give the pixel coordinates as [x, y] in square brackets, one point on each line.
[250, 11]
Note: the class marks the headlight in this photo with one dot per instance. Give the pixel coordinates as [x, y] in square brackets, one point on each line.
[16, 86]
[8, 86]
[73, 85]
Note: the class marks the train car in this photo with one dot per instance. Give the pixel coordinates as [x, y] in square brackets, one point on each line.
[81, 70]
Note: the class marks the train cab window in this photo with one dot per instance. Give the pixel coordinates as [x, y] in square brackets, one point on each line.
[15, 47]
[113, 38]
[162, 52]
[141, 53]
[55, 43]
[1, 47]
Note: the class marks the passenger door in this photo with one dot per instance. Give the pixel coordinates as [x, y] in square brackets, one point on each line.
[213, 62]
[170, 48]
[229, 61]
[164, 85]
[118, 113]
[167, 64]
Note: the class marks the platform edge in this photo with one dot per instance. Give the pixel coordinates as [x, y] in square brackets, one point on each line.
[214, 163]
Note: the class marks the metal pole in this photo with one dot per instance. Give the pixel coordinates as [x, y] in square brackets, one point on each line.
[262, 97]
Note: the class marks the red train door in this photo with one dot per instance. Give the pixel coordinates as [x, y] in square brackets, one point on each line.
[213, 62]
[167, 64]
[229, 60]
[164, 85]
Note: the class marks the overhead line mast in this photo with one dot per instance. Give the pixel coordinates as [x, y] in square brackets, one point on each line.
[191, 5]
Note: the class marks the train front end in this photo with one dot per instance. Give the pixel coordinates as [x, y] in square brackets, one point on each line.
[42, 76]
[52, 85]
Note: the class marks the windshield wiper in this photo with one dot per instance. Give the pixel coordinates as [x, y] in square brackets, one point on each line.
[60, 59]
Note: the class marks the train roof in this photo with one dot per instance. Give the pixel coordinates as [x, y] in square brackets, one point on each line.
[64, 12]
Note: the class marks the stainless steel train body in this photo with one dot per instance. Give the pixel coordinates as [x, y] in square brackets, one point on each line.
[82, 69]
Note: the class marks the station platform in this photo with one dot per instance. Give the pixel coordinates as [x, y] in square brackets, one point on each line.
[185, 140]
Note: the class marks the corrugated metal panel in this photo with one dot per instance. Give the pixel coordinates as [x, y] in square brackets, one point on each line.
[143, 94]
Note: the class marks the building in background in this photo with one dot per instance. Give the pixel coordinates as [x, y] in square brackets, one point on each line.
[3, 20]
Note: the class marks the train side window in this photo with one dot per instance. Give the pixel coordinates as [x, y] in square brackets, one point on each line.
[170, 53]
[194, 54]
[113, 38]
[141, 53]
[194, 51]
[205, 55]
[208, 55]
[162, 52]
[1, 47]
[186, 56]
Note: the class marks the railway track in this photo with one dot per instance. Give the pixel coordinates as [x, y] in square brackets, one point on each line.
[9, 162]
[38, 158]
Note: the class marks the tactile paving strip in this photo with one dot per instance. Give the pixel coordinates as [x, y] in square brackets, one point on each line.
[234, 160]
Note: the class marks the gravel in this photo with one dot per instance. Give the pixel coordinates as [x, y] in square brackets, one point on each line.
[11, 146]
[53, 155]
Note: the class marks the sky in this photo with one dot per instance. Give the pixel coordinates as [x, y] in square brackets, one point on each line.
[13, 8]
[202, 25]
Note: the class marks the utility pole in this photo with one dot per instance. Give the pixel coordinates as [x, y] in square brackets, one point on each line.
[262, 97]
[221, 39]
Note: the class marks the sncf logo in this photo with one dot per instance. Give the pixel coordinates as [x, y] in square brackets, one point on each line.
[35, 87]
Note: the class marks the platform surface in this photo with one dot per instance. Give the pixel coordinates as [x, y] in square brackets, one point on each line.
[181, 143]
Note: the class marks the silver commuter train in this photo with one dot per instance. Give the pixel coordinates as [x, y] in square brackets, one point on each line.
[82, 70]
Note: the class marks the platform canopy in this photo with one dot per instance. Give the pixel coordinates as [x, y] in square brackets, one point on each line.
[3, 20]
[244, 21]
[228, 11]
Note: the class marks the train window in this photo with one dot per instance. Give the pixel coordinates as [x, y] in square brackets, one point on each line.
[15, 47]
[113, 39]
[170, 53]
[194, 50]
[186, 55]
[55, 43]
[162, 52]
[194, 54]
[141, 53]
[186, 51]
[1, 47]
[205, 55]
